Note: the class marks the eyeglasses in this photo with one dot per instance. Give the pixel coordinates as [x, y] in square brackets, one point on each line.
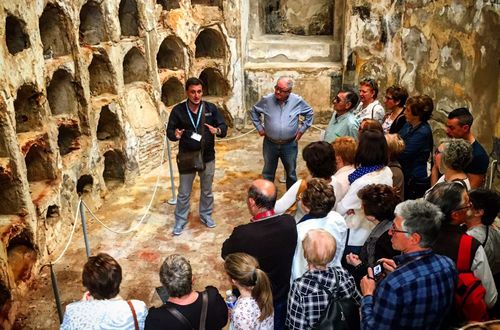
[393, 229]
[437, 151]
[281, 90]
[465, 207]
[389, 97]
[337, 99]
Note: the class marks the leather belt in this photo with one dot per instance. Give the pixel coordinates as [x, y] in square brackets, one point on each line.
[280, 141]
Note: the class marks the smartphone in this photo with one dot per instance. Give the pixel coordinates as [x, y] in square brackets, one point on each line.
[162, 293]
[378, 271]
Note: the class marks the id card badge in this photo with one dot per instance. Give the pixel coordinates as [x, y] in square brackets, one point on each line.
[196, 136]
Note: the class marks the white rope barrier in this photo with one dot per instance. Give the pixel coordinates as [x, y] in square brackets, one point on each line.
[235, 137]
[147, 209]
[70, 236]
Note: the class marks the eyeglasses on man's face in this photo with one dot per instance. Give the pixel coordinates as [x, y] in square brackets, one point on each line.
[337, 99]
[281, 90]
[464, 207]
[393, 230]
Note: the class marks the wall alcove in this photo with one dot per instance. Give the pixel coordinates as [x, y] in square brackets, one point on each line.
[10, 201]
[172, 92]
[21, 256]
[54, 27]
[108, 126]
[135, 67]
[101, 74]
[67, 140]
[213, 83]
[114, 167]
[92, 24]
[38, 164]
[28, 106]
[170, 55]
[129, 18]
[210, 43]
[84, 185]
[61, 93]
[53, 213]
[169, 4]
[15, 35]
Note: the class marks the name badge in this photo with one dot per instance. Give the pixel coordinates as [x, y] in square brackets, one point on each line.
[196, 136]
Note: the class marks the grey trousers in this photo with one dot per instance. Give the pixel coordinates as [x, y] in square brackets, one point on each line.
[206, 196]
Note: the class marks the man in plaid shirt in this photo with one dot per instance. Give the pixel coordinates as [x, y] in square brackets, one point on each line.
[417, 292]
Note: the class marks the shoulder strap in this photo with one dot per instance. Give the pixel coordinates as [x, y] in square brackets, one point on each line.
[487, 233]
[204, 307]
[178, 315]
[136, 323]
[464, 253]
[324, 288]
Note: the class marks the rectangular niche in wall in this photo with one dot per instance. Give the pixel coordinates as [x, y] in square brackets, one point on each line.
[298, 17]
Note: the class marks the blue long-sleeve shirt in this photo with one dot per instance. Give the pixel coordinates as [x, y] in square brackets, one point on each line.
[417, 295]
[281, 122]
[418, 148]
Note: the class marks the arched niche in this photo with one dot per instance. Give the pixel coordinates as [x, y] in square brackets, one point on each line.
[21, 256]
[172, 92]
[15, 35]
[10, 201]
[28, 106]
[101, 74]
[114, 167]
[53, 212]
[54, 27]
[129, 18]
[61, 93]
[92, 24]
[135, 67]
[170, 55]
[169, 4]
[213, 83]
[108, 126]
[210, 43]
[38, 164]
[216, 3]
[84, 185]
[67, 139]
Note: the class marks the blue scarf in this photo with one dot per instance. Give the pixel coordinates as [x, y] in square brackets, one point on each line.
[362, 170]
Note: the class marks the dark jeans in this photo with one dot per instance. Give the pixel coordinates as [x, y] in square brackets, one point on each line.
[280, 313]
[288, 155]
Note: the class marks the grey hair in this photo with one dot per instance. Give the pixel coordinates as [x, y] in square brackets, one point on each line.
[176, 275]
[457, 154]
[289, 81]
[421, 217]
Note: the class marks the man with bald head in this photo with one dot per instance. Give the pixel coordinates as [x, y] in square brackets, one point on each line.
[271, 239]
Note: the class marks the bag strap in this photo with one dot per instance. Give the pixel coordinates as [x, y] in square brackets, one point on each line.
[136, 323]
[204, 307]
[324, 288]
[487, 233]
[178, 315]
[464, 252]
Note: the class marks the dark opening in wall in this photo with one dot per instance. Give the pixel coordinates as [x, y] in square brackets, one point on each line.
[84, 185]
[210, 43]
[52, 212]
[38, 165]
[54, 28]
[114, 167]
[213, 83]
[129, 18]
[5, 301]
[15, 35]
[135, 67]
[217, 3]
[4, 152]
[169, 4]
[172, 92]
[61, 93]
[170, 56]
[28, 106]
[67, 140]
[21, 256]
[108, 127]
[10, 201]
[101, 76]
[92, 25]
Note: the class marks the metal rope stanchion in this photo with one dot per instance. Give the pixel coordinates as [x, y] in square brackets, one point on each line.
[173, 200]
[84, 230]
[55, 290]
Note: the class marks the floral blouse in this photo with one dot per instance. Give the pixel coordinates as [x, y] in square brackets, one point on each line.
[245, 316]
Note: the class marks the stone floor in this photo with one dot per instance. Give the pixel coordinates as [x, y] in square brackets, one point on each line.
[140, 253]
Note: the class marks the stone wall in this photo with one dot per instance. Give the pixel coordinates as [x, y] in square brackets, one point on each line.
[85, 89]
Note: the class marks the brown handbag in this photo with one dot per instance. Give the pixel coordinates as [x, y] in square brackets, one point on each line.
[189, 161]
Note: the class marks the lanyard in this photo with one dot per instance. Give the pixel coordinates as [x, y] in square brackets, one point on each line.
[200, 110]
[263, 215]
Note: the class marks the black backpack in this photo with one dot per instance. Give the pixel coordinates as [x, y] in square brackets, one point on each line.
[340, 314]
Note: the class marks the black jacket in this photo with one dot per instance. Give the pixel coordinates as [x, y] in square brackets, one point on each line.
[179, 118]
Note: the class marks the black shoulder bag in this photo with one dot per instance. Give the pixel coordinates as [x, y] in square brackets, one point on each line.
[184, 321]
[189, 161]
[340, 314]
